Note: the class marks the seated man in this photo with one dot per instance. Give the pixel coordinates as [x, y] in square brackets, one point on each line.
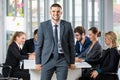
[82, 42]
[30, 45]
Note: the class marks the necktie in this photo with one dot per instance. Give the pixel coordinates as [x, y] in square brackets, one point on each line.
[56, 55]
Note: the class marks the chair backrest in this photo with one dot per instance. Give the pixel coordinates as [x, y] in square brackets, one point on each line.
[5, 70]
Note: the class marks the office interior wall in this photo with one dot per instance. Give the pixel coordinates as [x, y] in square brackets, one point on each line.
[106, 19]
[108, 15]
[107, 24]
[2, 31]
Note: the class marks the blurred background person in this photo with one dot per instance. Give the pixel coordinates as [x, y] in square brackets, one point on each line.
[15, 56]
[83, 42]
[108, 62]
[93, 52]
[30, 44]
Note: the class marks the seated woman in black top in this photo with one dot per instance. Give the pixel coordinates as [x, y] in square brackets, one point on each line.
[108, 62]
[14, 56]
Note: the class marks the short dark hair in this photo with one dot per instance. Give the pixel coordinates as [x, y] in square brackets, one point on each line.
[35, 31]
[79, 29]
[55, 5]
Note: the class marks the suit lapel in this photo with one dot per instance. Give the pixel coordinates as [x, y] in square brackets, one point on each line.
[61, 29]
[92, 48]
[50, 28]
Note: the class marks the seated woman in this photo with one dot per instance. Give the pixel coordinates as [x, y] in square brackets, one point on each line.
[93, 52]
[108, 62]
[14, 57]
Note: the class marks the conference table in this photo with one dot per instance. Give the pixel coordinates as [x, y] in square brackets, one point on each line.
[72, 74]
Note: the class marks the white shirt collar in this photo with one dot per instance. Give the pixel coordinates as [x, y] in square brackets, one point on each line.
[18, 45]
[54, 23]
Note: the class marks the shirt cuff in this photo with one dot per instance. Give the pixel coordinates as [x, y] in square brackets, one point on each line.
[86, 60]
[99, 71]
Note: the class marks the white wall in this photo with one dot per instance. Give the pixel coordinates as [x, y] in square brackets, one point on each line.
[108, 15]
[2, 28]
[107, 24]
[107, 20]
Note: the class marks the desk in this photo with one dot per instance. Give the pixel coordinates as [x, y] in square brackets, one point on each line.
[72, 74]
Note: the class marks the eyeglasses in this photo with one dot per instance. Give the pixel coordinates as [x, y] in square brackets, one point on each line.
[76, 35]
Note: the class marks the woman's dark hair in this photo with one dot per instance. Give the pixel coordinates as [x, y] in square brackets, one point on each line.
[55, 5]
[95, 31]
[35, 32]
[79, 29]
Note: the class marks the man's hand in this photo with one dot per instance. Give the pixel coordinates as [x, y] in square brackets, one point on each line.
[31, 56]
[33, 53]
[38, 67]
[72, 66]
[79, 60]
[94, 74]
[76, 59]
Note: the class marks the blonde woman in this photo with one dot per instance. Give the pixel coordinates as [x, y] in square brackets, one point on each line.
[14, 56]
[108, 62]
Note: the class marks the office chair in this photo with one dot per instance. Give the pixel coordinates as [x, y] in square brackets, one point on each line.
[6, 76]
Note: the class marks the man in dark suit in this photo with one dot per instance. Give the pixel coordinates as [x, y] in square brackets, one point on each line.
[30, 44]
[55, 47]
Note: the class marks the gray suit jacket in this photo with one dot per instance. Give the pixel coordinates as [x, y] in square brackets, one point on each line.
[46, 44]
[93, 54]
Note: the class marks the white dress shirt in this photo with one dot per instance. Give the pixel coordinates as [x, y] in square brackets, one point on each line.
[60, 50]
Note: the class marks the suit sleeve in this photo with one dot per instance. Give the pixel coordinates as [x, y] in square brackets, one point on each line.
[96, 53]
[25, 48]
[38, 50]
[72, 47]
[113, 59]
[97, 61]
[17, 54]
[83, 54]
[96, 56]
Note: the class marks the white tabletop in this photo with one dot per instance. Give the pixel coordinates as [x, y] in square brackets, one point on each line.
[30, 64]
[72, 74]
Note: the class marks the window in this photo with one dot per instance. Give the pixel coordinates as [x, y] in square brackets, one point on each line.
[93, 13]
[14, 19]
[78, 13]
[15, 8]
[116, 18]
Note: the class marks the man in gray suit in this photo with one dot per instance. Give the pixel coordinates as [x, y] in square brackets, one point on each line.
[55, 48]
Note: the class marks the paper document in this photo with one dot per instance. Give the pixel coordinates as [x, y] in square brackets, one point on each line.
[29, 64]
[82, 65]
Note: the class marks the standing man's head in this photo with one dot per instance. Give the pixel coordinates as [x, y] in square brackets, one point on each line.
[35, 34]
[55, 12]
[79, 32]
